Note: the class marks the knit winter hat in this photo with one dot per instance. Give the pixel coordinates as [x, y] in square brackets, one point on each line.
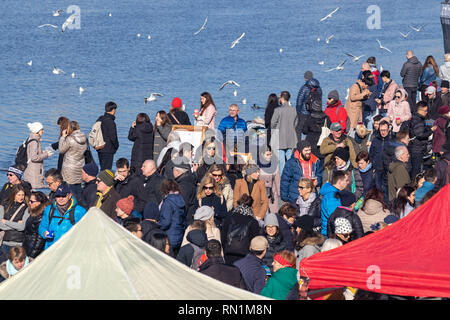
[126, 204]
[347, 198]
[308, 75]
[342, 153]
[430, 90]
[107, 177]
[445, 84]
[342, 226]
[250, 169]
[35, 127]
[91, 169]
[334, 94]
[444, 109]
[16, 171]
[176, 103]
[304, 222]
[203, 213]
[271, 220]
[151, 211]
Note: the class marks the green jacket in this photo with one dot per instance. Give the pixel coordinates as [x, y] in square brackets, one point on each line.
[280, 283]
[397, 178]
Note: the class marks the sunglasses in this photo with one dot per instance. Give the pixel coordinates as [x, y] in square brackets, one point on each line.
[210, 148]
[10, 174]
[301, 187]
[397, 97]
[208, 188]
[217, 175]
[346, 235]
[33, 201]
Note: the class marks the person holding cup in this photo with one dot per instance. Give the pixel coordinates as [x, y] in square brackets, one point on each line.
[207, 114]
[398, 110]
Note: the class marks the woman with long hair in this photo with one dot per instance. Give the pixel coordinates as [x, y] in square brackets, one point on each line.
[13, 218]
[217, 172]
[404, 203]
[430, 72]
[141, 133]
[210, 194]
[34, 244]
[208, 154]
[374, 209]
[163, 127]
[272, 103]
[63, 124]
[207, 112]
[398, 110]
[73, 144]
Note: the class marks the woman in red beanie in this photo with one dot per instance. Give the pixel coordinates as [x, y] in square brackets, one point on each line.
[124, 207]
[176, 113]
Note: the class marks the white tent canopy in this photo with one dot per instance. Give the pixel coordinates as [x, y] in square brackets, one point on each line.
[99, 259]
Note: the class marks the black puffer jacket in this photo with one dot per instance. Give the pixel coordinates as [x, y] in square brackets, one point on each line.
[419, 134]
[186, 253]
[33, 244]
[411, 71]
[142, 136]
[342, 212]
[313, 128]
[109, 131]
[88, 194]
[276, 244]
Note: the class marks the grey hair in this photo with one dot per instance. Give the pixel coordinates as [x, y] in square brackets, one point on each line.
[399, 151]
[330, 244]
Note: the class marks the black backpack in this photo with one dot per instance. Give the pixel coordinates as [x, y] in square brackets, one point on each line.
[314, 99]
[235, 237]
[21, 154]
[71, 215]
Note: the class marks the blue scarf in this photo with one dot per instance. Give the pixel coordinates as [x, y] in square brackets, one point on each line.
[10, 267]
[369, 166]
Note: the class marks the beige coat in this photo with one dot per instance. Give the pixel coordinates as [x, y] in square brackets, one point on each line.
[34, 173]
[259, 195]
[354, 104]
[371, 213]
[73, 148]
[227, 192]
[328, 147]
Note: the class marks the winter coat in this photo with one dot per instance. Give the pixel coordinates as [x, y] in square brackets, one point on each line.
[228, 123]
[227, 192]
[109, 131]
[217, 269]
[328, 205]
[427, 76]
[377, 147]
[354, 104]
[147, 228]
[161, 134]
[3, 271]
[338, 113]
[355, 182]
[398, 110]
[351, 216]
[328, 147]
[371, 213]
[126, 187]
[411, 71]
[218, 203]
[181, 116]
[442, 173]
[313, 128]
[439, 138]
[6, 190]
[303, 95]
[186, 253]
[88, 194]
[420, 132]
[313, 210]
[142, 136]
[173, 218]
[309, 246]
[387, 93]
[280, 284]
[14, 229]
[444, 98]
[272, 184]
[241, 215]
[285, 229]
[268, 114]
[444, 71]
[33, 243]
[293, 172]
[34, 173]
[276, 244]
[284, 121]
[360, 144]
[398, 176]
[108, 203]
[433, 106]
[253, 273]
[59, 228]
[188, 189]
[208, 118]
[73, 147]
[422, 191]
[147, 189]
[368, 178]
[259, 194]
[375, 89]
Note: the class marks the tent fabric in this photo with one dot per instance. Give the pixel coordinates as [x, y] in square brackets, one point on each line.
[408, 258]
[100, 260]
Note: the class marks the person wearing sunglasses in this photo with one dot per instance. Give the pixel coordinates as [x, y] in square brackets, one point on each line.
[33, 242]
[217, 172]
[14, 176]
[398, 110]
[342, 230]
[210, 194]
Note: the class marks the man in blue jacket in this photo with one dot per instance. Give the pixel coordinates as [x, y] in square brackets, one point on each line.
[60, 216]
[233, 125]
[302, 164]
[339, 182]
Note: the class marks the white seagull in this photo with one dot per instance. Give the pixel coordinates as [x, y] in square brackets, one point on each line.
[235, 42]
[281, 50]
[81, 89]
[384, 48]
[339, 67]
[138, 35]
[244, 101]
[57, 70]
[229, 82]
[330, 14]
[235, 92]
[57, 12]
[405, 35]
[329, 38]
[30, 63]
[73, 75]
[153, 96]
[355, 58]
[321, 62]
[417, 29]
[68, 21]
[318, 39]
[149, 37]
[202, 27]
[110, 14]
[48, 25]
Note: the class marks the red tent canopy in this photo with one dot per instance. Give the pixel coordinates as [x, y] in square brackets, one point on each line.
[409, 258]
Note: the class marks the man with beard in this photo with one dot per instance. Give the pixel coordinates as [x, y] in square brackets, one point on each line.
[302, 165]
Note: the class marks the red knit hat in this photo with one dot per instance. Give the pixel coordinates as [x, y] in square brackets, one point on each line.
[126, 204]
[176, 102]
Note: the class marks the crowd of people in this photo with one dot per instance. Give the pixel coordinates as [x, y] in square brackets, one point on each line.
[256, 197]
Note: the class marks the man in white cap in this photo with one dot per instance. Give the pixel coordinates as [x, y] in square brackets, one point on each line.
[433, 101]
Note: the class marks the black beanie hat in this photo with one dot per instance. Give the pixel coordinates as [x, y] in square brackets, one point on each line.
[347, 198]
[342, 153]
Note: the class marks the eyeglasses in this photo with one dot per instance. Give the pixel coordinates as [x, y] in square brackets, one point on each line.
[217, 175]
[208, 188]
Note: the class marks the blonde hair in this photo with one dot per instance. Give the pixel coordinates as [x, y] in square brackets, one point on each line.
[208, 180]
[447, 57]
[361, 130]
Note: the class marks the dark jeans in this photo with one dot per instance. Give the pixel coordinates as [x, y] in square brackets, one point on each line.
[106, 160]
[416, 164]
[412, 94]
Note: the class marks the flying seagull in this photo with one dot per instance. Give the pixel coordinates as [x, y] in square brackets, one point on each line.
[149, 37]
[235, 42]
[152, 97]
[81, 89]
[202, 27]
[235, 92]
[68, 21]
[30, 63]
[355, 58]
[57, 12]
[48, 25]
[405, 35]
[321, 62]
[417, 29]
[381, 47]
[329, 38]
[57, 70]
[73, 75]
[330, 14]
[229, 82]
[339, 67]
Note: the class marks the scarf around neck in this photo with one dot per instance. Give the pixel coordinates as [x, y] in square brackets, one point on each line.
[10, 267]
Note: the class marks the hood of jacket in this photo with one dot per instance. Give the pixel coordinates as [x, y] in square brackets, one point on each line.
[313, 83]
[144, 127]
[176, 200]
[313, 241]
[197, 237]
[327, 188]
[372, 207]
[79, 137]
[414, 60]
